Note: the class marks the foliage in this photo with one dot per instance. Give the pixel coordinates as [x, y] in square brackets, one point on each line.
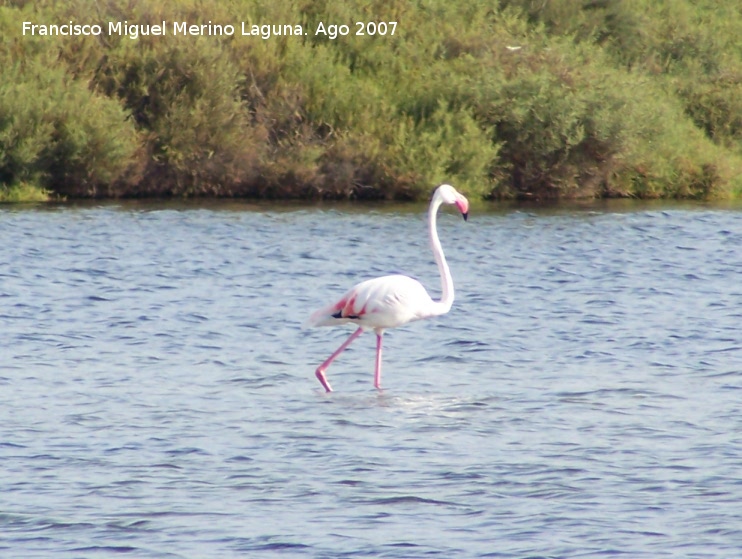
[23, 192]
[516, 98]
[55, 132]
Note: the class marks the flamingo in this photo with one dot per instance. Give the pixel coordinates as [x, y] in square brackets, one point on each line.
[391, 301]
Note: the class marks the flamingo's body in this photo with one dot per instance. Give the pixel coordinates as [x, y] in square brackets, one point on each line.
[391, 301]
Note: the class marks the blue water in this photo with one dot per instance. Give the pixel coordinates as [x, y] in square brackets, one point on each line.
[583, 398]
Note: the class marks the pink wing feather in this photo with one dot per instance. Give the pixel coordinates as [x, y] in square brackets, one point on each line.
[384, 302]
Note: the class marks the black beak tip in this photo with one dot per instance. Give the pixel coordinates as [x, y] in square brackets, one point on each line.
[465, 216]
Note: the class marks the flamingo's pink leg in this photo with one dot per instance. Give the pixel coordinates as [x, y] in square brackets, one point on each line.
[377, 371]
[322, 368]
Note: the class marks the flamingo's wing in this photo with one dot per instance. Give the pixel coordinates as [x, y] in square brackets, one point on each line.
[383, 302]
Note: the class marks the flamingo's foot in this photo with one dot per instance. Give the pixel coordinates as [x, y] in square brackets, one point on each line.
[323, 379]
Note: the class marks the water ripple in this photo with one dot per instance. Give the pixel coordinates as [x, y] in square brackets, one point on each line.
[157, 396]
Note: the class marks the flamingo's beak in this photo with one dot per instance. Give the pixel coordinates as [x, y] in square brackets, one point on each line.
[463, 205]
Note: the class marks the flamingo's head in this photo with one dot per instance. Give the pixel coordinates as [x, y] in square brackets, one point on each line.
[449, 195]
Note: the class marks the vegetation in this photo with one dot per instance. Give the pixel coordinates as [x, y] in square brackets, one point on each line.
[516, 98]
[23, 192]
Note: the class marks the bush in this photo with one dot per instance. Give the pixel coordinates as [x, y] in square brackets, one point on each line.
[516, 98]
[57, 134]
[186, 98]
[23, 192]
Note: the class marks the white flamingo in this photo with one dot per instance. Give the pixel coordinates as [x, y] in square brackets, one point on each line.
[391, 301]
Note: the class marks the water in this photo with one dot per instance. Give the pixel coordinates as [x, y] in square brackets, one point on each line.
[581, 399]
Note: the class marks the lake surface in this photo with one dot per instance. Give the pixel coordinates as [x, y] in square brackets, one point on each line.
[583, 398]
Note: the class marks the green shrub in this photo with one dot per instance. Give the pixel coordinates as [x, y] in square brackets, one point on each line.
[516, 98]
[185, 95]
[56, 133]
[23, 193]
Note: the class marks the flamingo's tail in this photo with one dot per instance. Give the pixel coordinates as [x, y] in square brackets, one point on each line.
[327, 316]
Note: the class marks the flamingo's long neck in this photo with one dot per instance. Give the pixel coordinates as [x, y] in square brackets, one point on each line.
[443, 305]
